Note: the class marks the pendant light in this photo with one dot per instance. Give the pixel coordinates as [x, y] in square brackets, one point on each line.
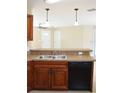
[76, 20]
[47, 21]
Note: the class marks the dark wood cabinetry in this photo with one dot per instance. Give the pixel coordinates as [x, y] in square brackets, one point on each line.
[50, 75]
[29, 27]
[41, 77]
[59, 78]
[59, 75]
[30, 75]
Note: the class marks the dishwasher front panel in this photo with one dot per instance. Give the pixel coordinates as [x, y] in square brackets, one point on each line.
[80, 74]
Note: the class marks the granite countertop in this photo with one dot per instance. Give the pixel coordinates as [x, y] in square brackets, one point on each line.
[69, 58]
[63, 49]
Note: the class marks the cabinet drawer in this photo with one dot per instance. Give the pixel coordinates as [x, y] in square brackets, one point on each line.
[51, 62]
[58, 66]
[40, 66]
[49, 66]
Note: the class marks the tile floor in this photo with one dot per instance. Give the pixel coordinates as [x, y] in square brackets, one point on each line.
[60, 92]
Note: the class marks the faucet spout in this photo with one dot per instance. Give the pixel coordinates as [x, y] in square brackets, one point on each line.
[54, 52]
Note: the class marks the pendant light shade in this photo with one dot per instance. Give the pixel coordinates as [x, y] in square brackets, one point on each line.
[76, 23]
[76, 19]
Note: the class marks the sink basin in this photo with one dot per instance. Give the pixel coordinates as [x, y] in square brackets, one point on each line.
[52, 57]
[60, 57]
[46, 57]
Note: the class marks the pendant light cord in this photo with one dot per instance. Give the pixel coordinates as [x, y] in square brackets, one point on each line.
[76, 9]
[76, 16]
[47, 9]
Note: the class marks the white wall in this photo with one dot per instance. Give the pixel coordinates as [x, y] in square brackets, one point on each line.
[71, 37]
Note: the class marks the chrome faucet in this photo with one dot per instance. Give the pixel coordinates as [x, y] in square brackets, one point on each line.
[54, 52]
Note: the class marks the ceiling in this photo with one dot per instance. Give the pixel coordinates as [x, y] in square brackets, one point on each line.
[62, 13]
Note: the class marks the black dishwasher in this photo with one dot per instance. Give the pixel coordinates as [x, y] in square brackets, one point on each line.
[80, 75]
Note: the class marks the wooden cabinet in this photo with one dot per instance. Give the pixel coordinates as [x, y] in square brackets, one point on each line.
[29, 27]
[41, 77]
[29, 75]
[59, 78]
[50, 75]
[55, 75]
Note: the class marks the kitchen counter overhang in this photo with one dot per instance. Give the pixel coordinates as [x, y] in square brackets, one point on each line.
[78, 58]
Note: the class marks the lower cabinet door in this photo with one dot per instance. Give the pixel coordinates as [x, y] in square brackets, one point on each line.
[59, 78]
[29, 76]
[41, 78]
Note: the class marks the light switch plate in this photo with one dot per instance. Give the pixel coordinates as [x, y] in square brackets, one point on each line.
[80, 53]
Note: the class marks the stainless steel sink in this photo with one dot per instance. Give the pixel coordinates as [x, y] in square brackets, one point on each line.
[60, 56]
[52, 57]
[45, 57]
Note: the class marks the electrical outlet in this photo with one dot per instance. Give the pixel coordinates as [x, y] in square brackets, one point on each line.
[80, 53]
